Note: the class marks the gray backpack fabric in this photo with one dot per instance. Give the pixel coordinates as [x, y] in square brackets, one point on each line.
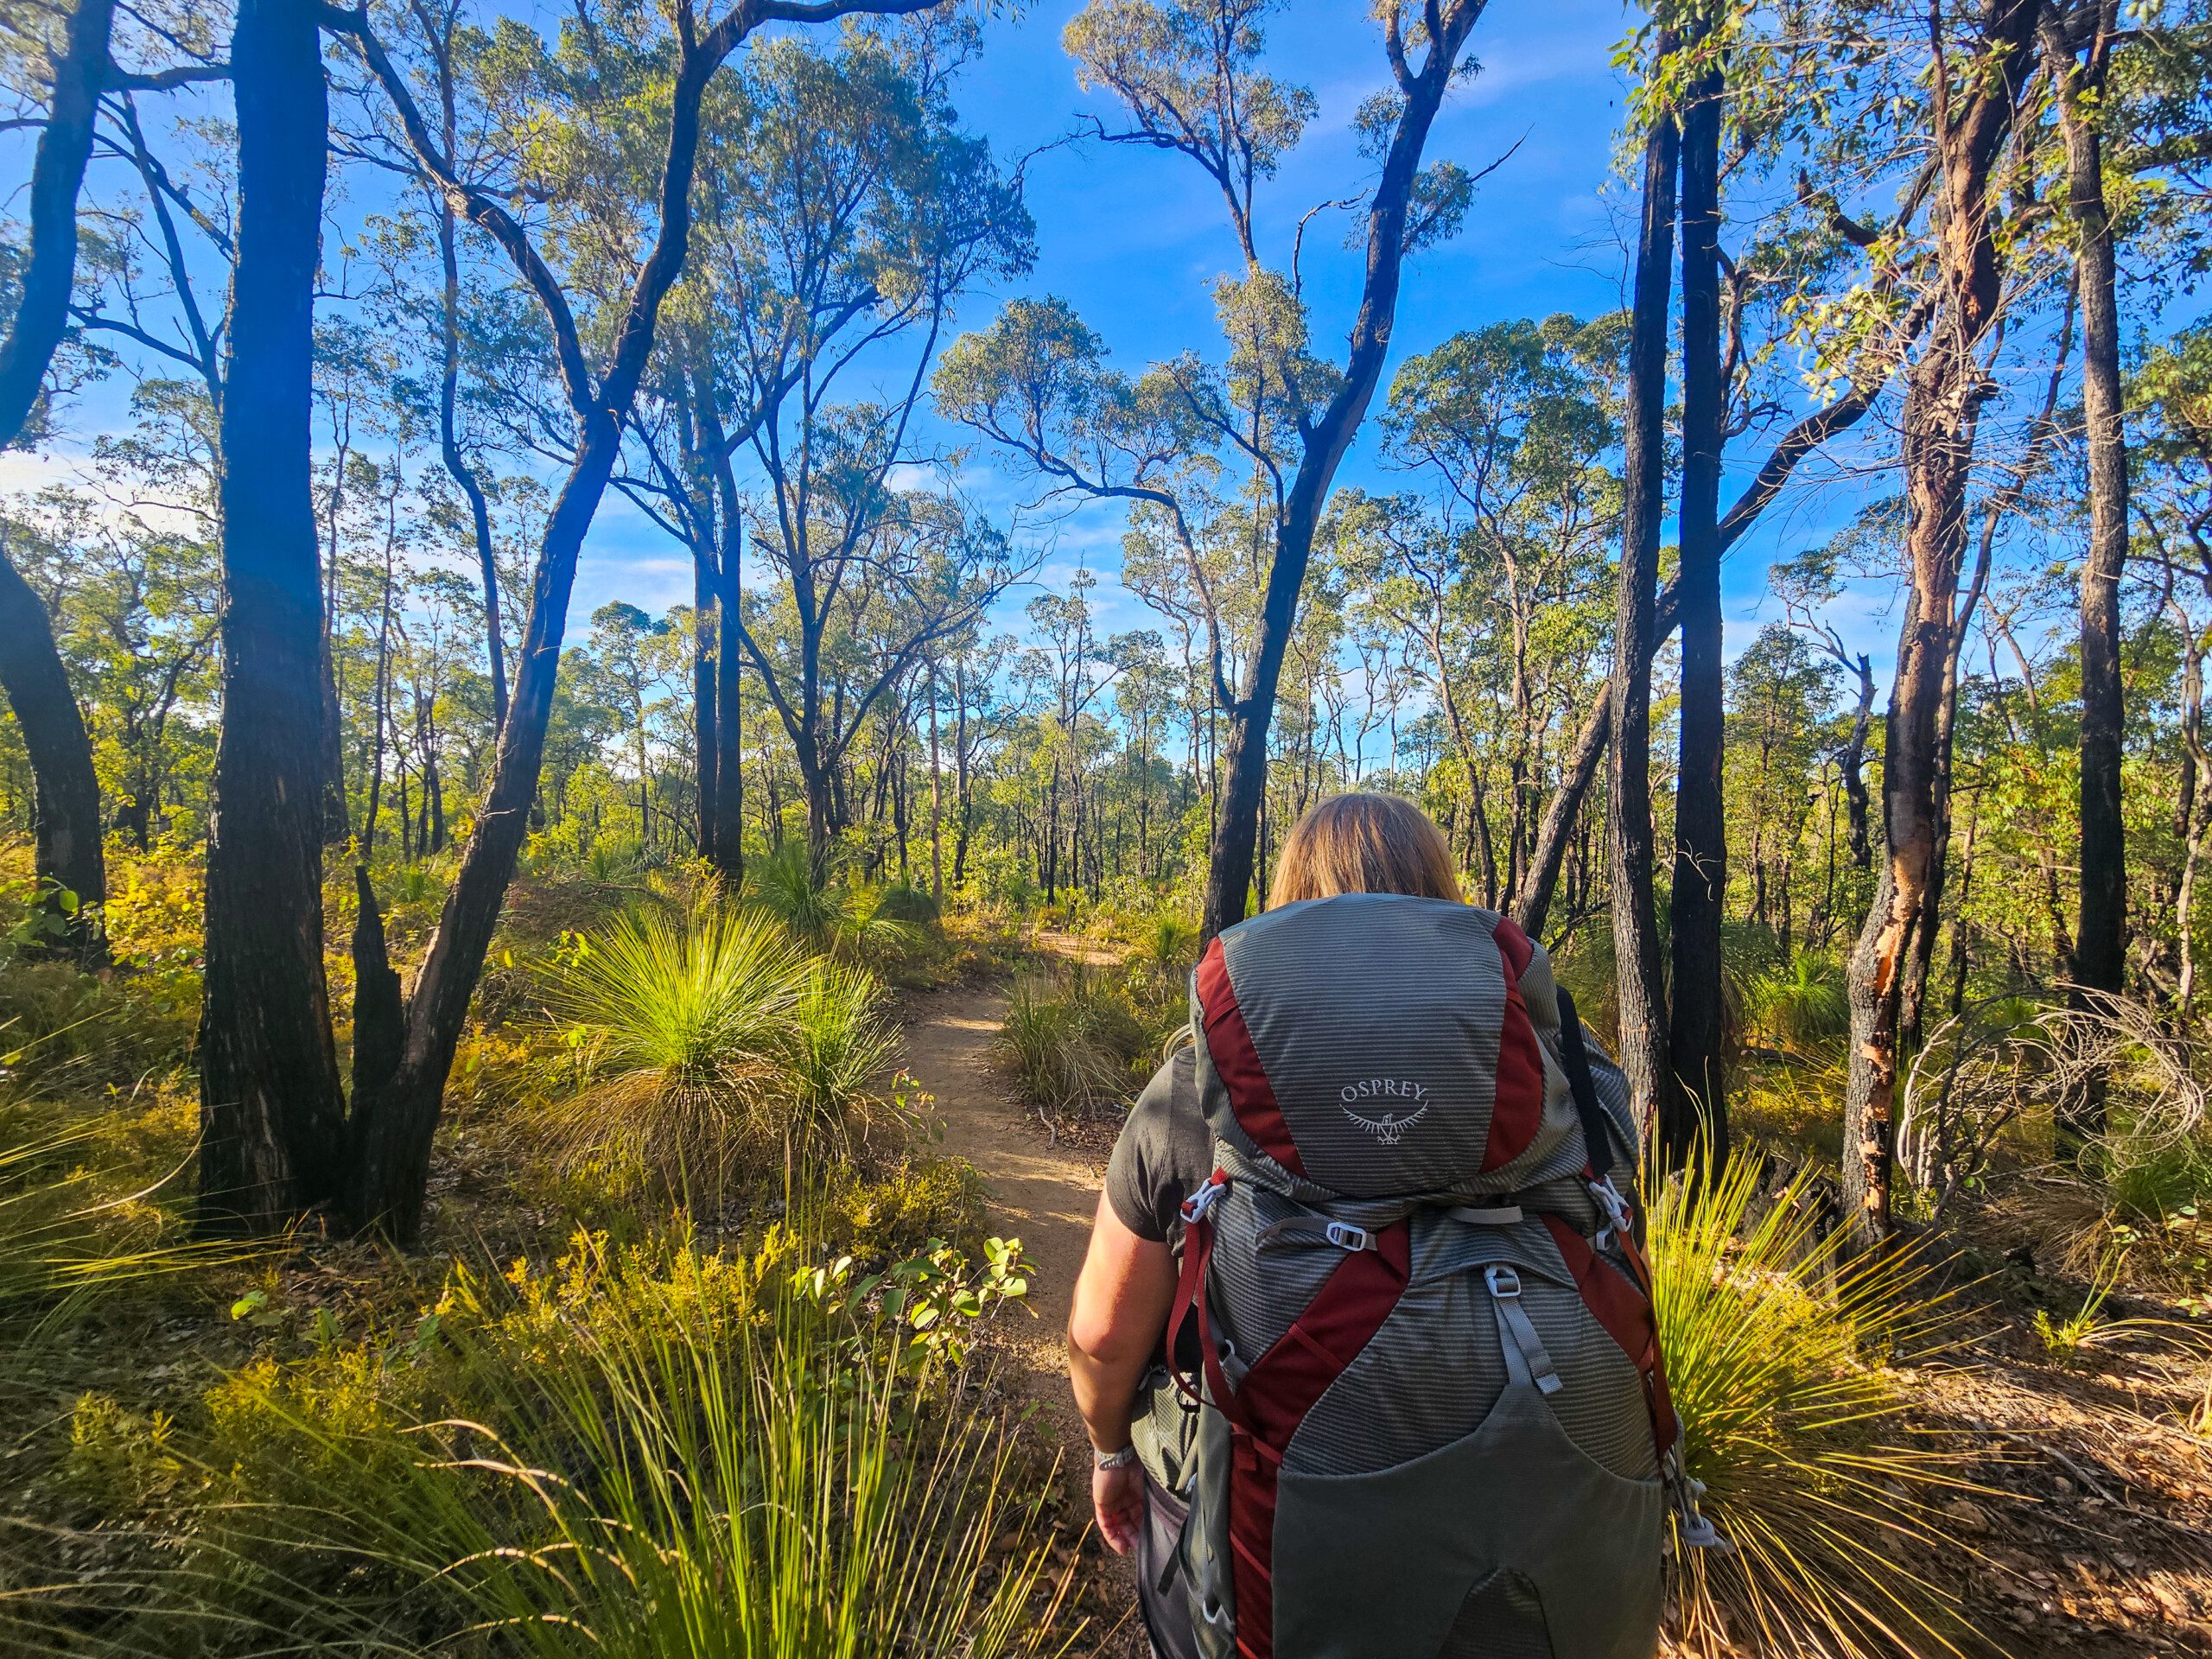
[1429, 1417]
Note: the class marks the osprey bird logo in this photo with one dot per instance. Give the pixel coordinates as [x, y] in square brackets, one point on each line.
[1390, 1128]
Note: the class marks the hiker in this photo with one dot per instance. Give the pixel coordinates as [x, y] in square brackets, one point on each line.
[1363, 1340]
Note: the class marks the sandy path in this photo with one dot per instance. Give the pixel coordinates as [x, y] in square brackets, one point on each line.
[1043, 1193]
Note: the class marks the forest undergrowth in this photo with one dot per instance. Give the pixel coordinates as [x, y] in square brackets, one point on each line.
[698, 1357]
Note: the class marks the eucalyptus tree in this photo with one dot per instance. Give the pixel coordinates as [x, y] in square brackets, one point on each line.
[1191, 79]
[69, 859]
[848, 213]
[1513, 427]
[605, 67]
[1939, 100]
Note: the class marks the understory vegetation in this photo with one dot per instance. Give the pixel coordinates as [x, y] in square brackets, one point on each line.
[692, 1367]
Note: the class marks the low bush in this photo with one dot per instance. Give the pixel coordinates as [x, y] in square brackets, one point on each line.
[1776, 1348]
[1801, 1005]
[901, 1210]
[654, 1451]
[1071, 1039]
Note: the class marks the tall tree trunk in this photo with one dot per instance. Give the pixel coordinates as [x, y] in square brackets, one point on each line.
[1694, 1114]
[706, 706]
[449, 451]
[1944, 394]
[1237, 821]
[1636, 929]
[272, 1112]
[2100, 936]
[67, 855]
[395, 1123]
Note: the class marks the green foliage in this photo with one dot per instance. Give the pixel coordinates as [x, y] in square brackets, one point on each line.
[1776, 1348]
[1070, 1040]
[841, 1040]
[901, 1210]
[651, 1451]
[1802, 1005]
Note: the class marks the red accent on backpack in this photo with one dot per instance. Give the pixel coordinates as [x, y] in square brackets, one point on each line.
[1623, 1307]
[1280, 1387]
[1517, 1107]
[1251, 1097]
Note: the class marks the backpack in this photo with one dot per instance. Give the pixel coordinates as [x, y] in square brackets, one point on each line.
[1429, 1413]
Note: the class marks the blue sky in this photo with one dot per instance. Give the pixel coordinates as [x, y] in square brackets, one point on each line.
[1133, 238]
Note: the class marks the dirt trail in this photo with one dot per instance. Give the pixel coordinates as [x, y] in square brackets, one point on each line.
[1041, 1192]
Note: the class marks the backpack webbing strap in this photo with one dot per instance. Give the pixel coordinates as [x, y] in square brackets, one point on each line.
[1597, 1134]
[1621, 1304]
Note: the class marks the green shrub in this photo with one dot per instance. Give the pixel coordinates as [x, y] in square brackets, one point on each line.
[907, 904]
[1803, 1005]
[915, 1201]
[1069, 1041]
[682, 1027]
[841, 1040]
[654, 1453]
[1775, 1348]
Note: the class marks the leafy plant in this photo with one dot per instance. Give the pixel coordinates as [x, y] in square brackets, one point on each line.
[661, 1453]
[2065, 1340]
[1069, 1041]
[1802, 1005]
[841, 1039]
[682, 1027]
[1775, 1351]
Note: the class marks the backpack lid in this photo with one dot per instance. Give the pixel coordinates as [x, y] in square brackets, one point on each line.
[1377, 1046]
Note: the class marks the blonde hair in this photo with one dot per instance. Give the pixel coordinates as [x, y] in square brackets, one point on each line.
[1365, 843]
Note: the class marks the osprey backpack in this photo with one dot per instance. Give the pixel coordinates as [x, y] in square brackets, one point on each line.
[1430, 1416]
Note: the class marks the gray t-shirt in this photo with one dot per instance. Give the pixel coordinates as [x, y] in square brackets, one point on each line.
[1164, 1155]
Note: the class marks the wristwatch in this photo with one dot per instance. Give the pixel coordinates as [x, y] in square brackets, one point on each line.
[1120, 1459]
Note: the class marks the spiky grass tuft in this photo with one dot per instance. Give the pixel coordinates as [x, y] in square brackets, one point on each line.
[681, 1026]
[1776, 1347]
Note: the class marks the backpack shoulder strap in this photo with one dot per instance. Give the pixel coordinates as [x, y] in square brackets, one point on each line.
[1597, 1128]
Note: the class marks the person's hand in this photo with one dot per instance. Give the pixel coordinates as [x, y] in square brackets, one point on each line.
[1117, 1498]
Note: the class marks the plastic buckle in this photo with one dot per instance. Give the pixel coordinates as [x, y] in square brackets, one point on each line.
[1195, 1206]
[1504, 1283]
[1345, 1237]
[1620, 1220]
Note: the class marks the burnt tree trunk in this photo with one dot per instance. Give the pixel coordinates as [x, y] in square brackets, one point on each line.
[1693, 1120]
[272, 1113]
[67, 855]
[2100, 935]
[1636, 930]
[1237, 821]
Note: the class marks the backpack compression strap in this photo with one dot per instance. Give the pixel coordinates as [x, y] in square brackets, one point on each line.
[1271, 1398]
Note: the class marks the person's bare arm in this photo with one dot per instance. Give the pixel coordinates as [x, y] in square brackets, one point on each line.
[1121, 1300]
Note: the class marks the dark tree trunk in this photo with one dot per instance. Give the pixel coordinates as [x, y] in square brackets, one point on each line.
[272, 1114]
[1236, 822]
[1695, 1117]
[705, 706]
[1851, 764]
[2100, 936]
[68, 857]
[68, 854]
[395, 1125]
[1636, 930]
[457, 463]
